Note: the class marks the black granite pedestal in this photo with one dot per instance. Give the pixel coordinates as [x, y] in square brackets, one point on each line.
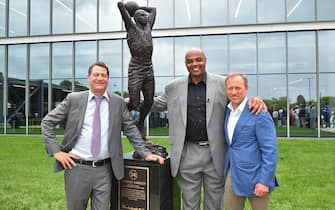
[146, 186]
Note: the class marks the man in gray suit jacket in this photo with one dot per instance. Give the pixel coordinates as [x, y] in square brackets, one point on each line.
[196, 107]
[88, 166]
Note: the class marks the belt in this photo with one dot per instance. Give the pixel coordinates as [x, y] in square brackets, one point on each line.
[93, 163]
[200, 143]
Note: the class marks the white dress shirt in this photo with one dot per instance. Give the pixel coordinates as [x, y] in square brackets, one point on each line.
[83, 145]
[234, 117]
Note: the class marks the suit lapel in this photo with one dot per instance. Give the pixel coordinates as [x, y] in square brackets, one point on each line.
[81, 114]
[210, 97]
[226, 125]
[183, 98]
[111, 104]
[245, 116]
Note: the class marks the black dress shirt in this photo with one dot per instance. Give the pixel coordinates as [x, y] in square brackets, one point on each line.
[196, 112]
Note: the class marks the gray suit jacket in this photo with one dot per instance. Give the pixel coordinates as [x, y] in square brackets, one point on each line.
[174, 100]
[71, 112]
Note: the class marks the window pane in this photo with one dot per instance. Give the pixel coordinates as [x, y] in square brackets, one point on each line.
[62, 64]
[327, 103]
[2, 63]
[214, 12]
[158, 121]
[109, 16]
[271, 11]
[110, 54]
[85, 56]
[17, 18]
[301, 52]
[39, 71]
[326, 9]
[162, 58]
[182, 45]
[164, 9]
[17, 61]
[272, 89]
[86, 16]
[271, 53]
[302, 91]
[243, 53]
[215, 48]
[62, 13]
[40, 17]
[187, 13]
[326, 51]
[242, 12]
[299, 10]
[2, 17]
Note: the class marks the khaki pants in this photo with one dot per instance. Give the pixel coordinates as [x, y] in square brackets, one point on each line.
[231, 201]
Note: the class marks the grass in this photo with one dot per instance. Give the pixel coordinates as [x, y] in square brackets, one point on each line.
[162, 131]
[305, 173]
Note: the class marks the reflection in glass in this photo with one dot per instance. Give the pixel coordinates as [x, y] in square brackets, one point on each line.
[327, 103]
[158, 121]
[109, 16]
[326, 51]
[271, 53]
[2, 18]
[187, 13]
[162, 58]
[115, 85]
[62, 61]
[86, 55]
[164, 19]
[271, 11]
[326, 9]
[301, 52]
[38, 96]
[302, 95]
[17, 18]
[86, 16]
[62, 20]
[300, 10]
[216, 50]
[2, 60]
[2, 67]
[110, 54]
[62, 78]
[39, 17]
[242, 12]
[17, 62]
[214, 12]
[272, 89]
[182, 45]
[243, 53]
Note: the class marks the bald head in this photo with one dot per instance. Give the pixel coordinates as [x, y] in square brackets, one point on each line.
[194, 51]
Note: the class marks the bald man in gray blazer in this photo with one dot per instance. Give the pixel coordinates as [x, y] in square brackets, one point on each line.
[196, 110]
[88, 175]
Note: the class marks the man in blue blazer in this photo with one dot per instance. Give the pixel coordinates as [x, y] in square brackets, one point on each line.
[251, 158]
[196, 108]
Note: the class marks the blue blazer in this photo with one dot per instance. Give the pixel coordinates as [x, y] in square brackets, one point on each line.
[252, 156]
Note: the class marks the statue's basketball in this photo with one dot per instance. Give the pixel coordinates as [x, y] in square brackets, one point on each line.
[131, 6]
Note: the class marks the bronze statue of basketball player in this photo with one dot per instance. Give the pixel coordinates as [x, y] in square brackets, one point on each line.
[140, 70]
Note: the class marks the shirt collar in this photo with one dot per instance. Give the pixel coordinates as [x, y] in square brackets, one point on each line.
[240, 107]
[204, 79]
[91, 95]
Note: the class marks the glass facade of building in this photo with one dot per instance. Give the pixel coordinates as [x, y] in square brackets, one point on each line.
[286, 48]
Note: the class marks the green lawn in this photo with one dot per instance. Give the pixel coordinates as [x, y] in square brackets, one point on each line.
[305, 173]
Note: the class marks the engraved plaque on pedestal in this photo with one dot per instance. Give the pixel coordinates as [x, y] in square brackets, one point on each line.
[133, 189]
[145, 186]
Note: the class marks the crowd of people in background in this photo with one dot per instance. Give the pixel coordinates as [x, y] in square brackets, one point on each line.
[304, 116]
